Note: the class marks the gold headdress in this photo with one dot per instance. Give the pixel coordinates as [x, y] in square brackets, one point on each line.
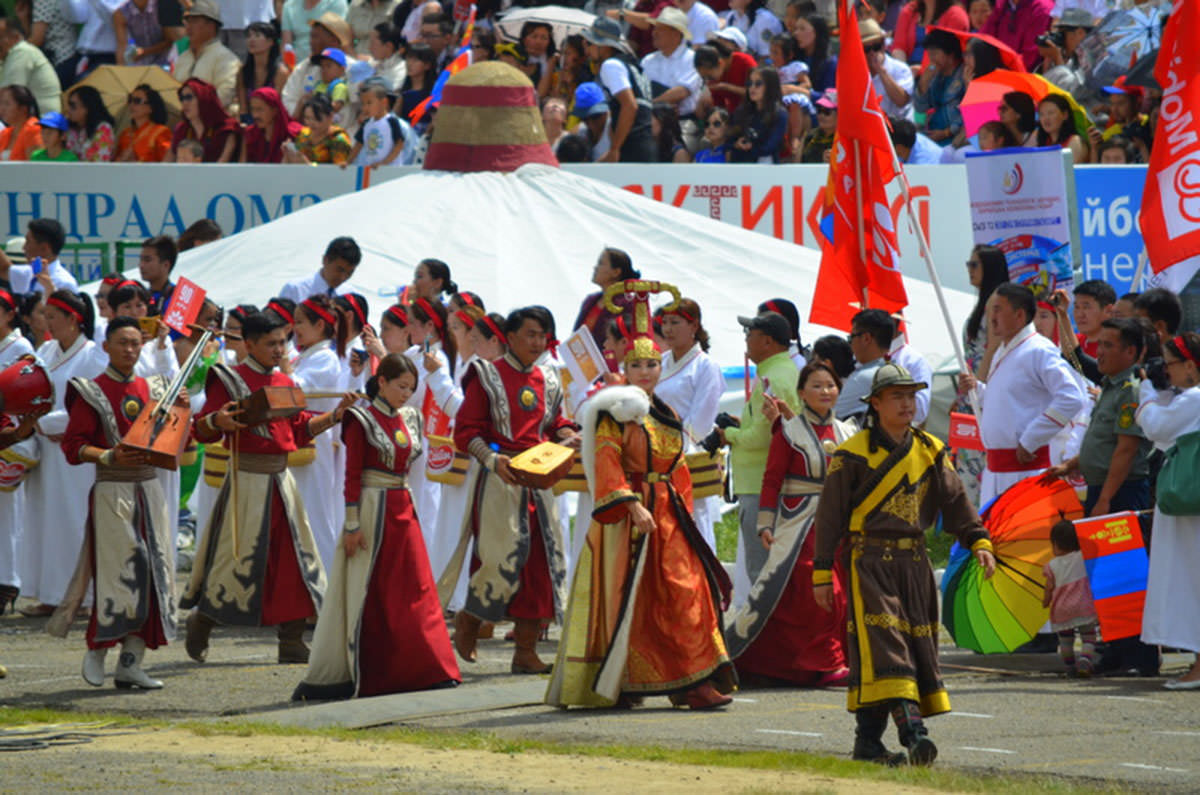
[641, 340]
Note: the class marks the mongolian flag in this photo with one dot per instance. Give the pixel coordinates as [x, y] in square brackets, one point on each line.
[462, 59]
[1117, 570]
[860, 269]
[1170, 215]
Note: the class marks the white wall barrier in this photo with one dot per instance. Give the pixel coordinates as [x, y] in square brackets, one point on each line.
[110, 202]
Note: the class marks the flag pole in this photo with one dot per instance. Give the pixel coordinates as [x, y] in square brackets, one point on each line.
[927, 256]
[1136, 284]
[862, 242]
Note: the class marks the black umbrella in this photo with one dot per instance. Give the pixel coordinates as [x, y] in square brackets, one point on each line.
[1142, 73]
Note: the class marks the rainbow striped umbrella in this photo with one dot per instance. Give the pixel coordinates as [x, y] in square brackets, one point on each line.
[996, 616]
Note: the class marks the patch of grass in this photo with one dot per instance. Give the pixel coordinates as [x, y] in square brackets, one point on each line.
[781, 761]
[726, 531]
[937, 545]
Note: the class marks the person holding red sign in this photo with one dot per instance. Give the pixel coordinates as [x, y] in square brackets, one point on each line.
[256, 564]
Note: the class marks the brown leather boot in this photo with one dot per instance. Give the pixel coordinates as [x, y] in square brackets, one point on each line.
[291, 642]
[199, 627]
[525, 659]
[466, 632]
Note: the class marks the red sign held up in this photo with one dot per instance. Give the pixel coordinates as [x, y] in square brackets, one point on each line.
[184, 306]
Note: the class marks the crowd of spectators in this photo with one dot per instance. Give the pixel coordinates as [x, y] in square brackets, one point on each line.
[742, 81]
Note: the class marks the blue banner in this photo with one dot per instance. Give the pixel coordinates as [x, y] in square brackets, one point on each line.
[1109, 200]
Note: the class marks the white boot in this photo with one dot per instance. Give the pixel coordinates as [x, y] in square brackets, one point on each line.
[129, 671]
[93, 666]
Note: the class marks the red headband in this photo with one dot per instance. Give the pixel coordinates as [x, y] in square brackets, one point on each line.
[679, 311]
[772, 307]
[321, 312]
[496, 332]
[7, 298]
[464, 318]
[58, 303]
[113, 279]
[358, 313]
[397, 314]
[623, 328]
[1184, 351]
[283, 313]
[466, 299]
[427, 308]
[552, 346]
[1049, 307]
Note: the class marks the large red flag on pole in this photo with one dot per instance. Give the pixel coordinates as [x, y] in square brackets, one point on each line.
[860, 268]
[1170, 215]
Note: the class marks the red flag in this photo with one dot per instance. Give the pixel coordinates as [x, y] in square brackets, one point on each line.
[1170, 215]
[859, 269]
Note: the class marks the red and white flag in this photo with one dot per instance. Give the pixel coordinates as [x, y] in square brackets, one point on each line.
[1170, 215]
[860, 269]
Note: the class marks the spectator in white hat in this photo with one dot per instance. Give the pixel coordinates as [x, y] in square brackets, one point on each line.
[670, 68]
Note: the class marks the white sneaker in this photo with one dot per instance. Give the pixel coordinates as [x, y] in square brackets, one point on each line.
[93, 667]
[129, 673]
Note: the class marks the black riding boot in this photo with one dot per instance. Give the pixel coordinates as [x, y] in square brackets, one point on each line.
[913, 734]
[868, 738]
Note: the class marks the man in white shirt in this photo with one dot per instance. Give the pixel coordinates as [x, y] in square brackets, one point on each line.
[342, 256]
[670, 68]
[44, 239]
[871, 333]
[893, 79]
[701, 20]
[1030, 395]
[97, 40]
[911, 359]
[207, 58]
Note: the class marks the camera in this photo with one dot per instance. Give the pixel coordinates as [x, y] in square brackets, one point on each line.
[711, 443]
[1054, 38]
[1156, 372]
[727, 420]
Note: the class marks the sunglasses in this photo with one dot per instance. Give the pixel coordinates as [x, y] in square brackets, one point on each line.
[757, 84]
[826, 111]
[973, 263]
[715, 123]
[187, 97]
[138, 101]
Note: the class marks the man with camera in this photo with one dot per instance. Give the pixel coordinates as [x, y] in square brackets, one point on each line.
[1059, 49]
[1114, 456]
[767, 340]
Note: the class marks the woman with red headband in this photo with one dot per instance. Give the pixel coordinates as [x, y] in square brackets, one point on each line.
[692, 384]
[447, 392]
[321, 337]
[487, 337]
[12, 502]
[1172, 613]
[54, 491]
[356, 363]
[428, 329]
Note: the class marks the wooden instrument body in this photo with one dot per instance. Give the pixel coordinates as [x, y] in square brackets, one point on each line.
[165, 450]
[542, 465]
[271, 403]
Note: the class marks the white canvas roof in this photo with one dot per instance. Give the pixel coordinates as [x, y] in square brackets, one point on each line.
[532, 236]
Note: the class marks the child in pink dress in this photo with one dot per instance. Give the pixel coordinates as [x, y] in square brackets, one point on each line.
[1069, 598]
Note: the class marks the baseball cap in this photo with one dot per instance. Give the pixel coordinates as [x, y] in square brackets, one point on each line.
[828, 99]
[54, 120]
[335, 55]
[1119, 86]
[589, 101]
[731, 35]
[892, 374]
[773, 324]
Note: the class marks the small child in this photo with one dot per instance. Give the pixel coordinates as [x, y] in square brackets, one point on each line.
[54, 137]
[380, 139]
[1069, 598]
[189, 150]
[333, 78]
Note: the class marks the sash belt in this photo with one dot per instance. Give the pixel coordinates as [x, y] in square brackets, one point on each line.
[123, 474]
[1005, 460]
[378, 479]
[261, 463]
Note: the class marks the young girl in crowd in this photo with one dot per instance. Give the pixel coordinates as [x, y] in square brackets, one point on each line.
[1070, 600]
[716, 135]
[427, 325]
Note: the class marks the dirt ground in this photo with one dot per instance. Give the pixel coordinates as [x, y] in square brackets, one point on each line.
[127, 760]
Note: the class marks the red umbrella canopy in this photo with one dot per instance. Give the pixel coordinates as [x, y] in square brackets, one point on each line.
[1008, 55]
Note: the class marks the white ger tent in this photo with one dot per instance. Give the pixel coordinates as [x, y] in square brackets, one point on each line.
[532, 236]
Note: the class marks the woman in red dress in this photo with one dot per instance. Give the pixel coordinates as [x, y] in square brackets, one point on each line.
[780, 635]
[380, 629]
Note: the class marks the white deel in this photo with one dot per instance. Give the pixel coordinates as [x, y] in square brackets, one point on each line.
[318, 369]
[56, 503]
[426, 494]
[12, 503]
[452, 502]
